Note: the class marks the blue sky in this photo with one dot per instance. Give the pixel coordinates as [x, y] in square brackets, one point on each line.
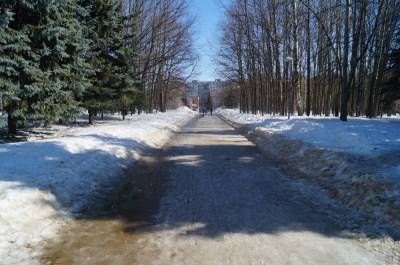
[208, 14]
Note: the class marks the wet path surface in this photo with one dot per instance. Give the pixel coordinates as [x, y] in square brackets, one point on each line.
[209, 198]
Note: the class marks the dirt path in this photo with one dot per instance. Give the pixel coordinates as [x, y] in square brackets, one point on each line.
[210, 198]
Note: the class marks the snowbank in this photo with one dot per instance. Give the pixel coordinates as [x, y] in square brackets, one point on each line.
[43, 182]
[358, 136]
[357, 162]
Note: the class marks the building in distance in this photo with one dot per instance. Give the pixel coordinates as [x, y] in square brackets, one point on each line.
[197, 93]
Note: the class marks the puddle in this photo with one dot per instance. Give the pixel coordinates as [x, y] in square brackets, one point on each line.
[109, 232]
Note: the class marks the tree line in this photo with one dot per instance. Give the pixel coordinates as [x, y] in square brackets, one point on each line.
[313, 57]
[166, 56]
[59, 57]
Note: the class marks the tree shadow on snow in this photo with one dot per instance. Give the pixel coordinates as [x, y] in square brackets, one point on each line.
[222, 187]
[76, 177]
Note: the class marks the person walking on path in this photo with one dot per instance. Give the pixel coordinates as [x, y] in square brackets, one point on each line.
[209, 103]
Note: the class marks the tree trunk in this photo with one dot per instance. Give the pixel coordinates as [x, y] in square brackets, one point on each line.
[12, 123]
[295, 88]
[345, 84]
[308, 88]
[91, 116]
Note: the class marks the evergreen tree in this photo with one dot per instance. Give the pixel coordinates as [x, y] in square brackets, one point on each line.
[113, 83]
[43, 51]
[63, 49]
[128, 89]
[20, 75]
[58, 55]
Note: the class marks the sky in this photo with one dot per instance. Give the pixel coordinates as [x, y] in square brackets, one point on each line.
[208, 14]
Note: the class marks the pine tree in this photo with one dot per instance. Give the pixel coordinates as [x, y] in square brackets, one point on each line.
[64, 49]
[128, 89]
[106, 39]
[43, 50]
[20, 76]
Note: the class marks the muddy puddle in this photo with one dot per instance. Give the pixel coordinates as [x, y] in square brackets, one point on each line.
[108, 233]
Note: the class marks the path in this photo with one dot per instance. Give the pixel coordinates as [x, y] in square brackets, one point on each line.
[221, 203]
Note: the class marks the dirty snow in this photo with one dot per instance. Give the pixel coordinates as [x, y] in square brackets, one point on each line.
[357, 161]
[223, 203]
[227, 204]
[369, 138]
[392, 173]
[43, 182]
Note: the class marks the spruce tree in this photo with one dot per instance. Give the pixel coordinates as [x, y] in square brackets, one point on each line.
[113, 85]
[104, 34]
[43, 53]
[63, 48]
[55, 55]
[128, 89]
[20, 75]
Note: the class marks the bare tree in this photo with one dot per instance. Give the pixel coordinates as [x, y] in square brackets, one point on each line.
[164, 46]
[319, 57]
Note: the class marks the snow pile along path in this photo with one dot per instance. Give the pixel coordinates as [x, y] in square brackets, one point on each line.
[357, 162]
[357, 136]
[43, 182]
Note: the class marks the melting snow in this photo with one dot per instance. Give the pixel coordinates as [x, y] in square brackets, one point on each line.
[43, 182]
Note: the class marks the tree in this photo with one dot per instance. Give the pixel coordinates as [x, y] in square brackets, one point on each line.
[43, 53]
[164, 47]
[130, 92]
[345, 46]
[308, 44]
[229, 95]
[345, 84]
[20, 75]
[63, 47]
[112, 83]
[295, 56]
[391, 87]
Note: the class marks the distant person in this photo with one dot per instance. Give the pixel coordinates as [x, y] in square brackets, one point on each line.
[209, 103]
[203, 111]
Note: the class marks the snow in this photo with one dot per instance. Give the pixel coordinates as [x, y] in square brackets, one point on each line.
[392, 173]
[358, 135]
[357, 162]
[44, 182]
